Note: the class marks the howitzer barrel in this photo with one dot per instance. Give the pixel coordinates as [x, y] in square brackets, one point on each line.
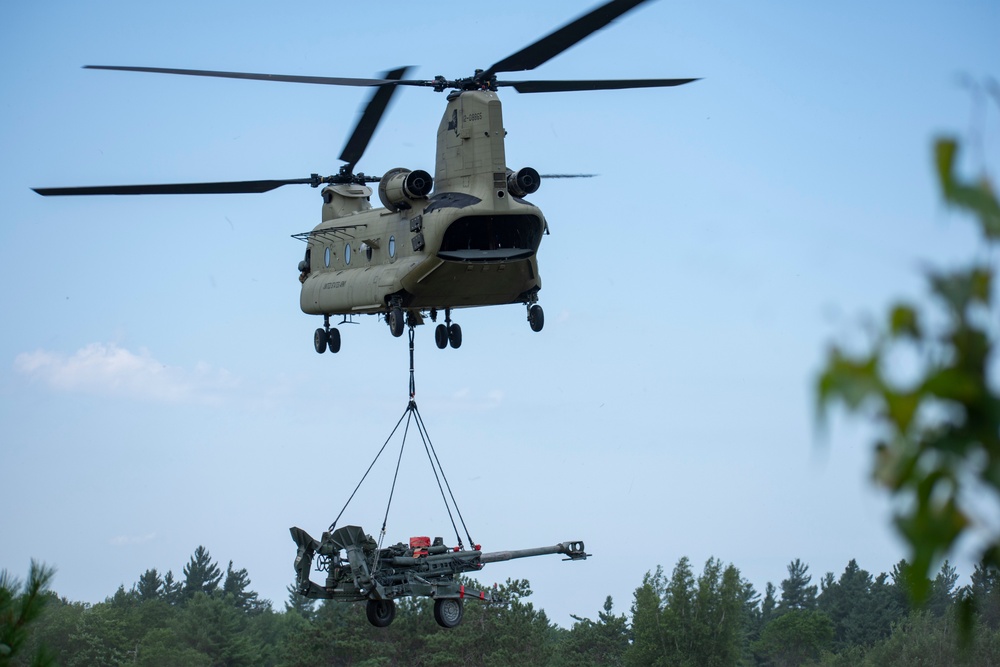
[572, 550]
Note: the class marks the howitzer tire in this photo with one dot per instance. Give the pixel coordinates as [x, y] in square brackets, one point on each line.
[380, 612]
[441, 336]
[395, 318]
[448, 612]
[319, 340]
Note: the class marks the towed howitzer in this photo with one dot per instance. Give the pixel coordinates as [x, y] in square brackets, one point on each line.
[357, 569]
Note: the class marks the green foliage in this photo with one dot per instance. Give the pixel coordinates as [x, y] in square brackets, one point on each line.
[150, 586]
[299, 604]
[938, 439]
[236, 589]
[794, 637]
[685, 621]
[796, 593]
[594, 643]
[201, 575]
[19, 612]
[862, 609]
[713, 619]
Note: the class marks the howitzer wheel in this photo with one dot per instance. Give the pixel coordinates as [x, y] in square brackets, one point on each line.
[381, 612]
[448, 612]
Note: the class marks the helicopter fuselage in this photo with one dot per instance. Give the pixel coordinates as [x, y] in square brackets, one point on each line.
[473, 242]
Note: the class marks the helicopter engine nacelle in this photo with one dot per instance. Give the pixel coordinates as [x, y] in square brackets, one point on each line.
[401, 186]
[523, 182]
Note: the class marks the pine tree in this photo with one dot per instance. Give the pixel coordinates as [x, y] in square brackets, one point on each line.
[984, 594]
[590, 643]
[172, 590]
[299, 604]
[942, 590]
[150, 586]
[201, 575]
[237, 588]
[796, 593]
[647, 638]
[769, 605]
[20, 611]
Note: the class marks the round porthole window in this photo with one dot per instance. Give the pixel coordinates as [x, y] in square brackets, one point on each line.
[392, 246]
[326, 257]
[347, 254]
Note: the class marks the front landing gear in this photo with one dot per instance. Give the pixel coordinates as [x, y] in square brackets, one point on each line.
[395, 318]
[448, 333]
[326, 338]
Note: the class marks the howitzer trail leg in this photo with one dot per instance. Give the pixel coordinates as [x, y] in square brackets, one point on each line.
[307, 547]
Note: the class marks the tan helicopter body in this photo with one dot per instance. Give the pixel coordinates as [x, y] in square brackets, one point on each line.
[471, 243]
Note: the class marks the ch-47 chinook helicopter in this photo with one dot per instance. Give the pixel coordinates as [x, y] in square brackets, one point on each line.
[465, 238]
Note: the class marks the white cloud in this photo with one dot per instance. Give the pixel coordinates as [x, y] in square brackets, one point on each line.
[109, 370]
[127, 540]
[466, 399]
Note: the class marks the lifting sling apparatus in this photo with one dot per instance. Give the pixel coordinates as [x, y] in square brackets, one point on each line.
[412, 416]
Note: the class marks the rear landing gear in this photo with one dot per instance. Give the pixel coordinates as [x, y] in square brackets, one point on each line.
[536, 317]
[326, 338]
[448, 333]
[455, 335]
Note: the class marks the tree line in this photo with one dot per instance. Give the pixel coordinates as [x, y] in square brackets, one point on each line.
[211, 617]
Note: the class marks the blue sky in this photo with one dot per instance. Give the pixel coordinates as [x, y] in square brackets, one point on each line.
[159, 386]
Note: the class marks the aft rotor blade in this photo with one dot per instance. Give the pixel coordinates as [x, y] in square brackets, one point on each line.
[289, 78]
[594, 84]
[225, 187]
[552, 45]
[370, 118]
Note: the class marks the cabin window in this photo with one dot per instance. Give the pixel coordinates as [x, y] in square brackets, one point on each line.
[326, 257]
[368, 252]
[347, 254]
[392, 246]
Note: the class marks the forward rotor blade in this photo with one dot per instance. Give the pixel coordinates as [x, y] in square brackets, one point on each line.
[225, 187]
[552, 45]
[370, 118]
[594, 84]
[324, 80]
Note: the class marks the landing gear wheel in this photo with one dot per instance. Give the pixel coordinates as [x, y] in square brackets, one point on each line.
[454, 335]
[333, 340]
[448, 612]
[441, 336]
[319, 340]
[396, 321]
[381, 612]
[536, 317]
